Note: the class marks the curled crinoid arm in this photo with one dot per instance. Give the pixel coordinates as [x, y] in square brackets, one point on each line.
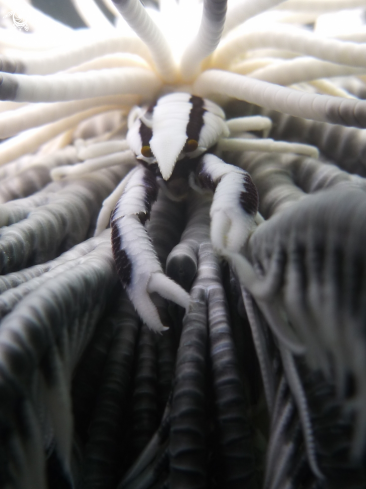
[137, 263]
[235, 204]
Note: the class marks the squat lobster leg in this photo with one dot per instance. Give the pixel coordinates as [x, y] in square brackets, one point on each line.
[235, 203]
[137, 263]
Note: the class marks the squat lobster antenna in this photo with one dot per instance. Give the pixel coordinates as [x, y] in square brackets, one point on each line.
[207, 39]
[138, 19]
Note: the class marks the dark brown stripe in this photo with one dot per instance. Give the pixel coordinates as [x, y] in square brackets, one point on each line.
[195, 122]
[123, 263]
[205, 178]
[152, 167]
[151, 190]
[145, 134]
[249, 197]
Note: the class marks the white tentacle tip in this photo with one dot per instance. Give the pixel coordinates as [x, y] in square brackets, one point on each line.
[168, 289]
[60, 172]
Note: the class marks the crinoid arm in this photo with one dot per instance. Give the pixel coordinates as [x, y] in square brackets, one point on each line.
[235, 204]
[324, 108]
[250, 123]
[137, 263]
[207, 39]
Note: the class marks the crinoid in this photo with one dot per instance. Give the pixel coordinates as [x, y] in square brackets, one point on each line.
[245, 253]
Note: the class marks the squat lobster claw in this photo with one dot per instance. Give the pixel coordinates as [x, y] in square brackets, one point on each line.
[171, 139]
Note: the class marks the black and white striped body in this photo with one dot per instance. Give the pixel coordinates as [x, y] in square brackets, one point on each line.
[171, 141]
[179, 126]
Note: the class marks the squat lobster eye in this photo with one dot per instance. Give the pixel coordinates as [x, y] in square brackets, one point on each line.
[146, 151]
[191, 145]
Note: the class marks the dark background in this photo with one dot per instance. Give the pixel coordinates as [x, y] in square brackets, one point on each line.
[64, 11]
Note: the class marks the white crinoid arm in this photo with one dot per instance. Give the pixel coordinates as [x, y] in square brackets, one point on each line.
[235, 204]
[137, 263]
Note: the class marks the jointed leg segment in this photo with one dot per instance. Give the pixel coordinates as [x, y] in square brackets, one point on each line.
[235, 203]
[137, 263]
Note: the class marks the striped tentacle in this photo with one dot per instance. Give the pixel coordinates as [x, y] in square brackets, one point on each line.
[187, 442]
[27, 183]
[153, 462]
[322, 285]
[89, 374]
[105, 447]
[286, 464]
[17, 285]
[46, 347]
[273, 180]
[144, 396]
[312, 175]
[166, 345]
[165, 226]
[40, 220]
[182, 262]
[234, 430]
[345, 146]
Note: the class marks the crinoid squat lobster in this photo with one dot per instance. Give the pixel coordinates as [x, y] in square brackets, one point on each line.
[171, 142]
